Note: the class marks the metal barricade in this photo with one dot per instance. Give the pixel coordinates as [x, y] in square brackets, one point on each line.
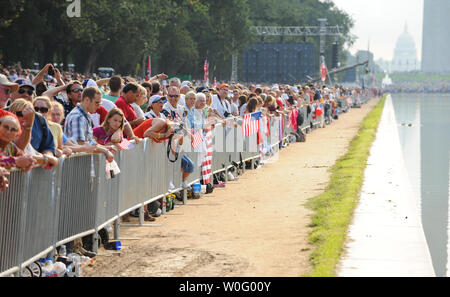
[12, 213]
[305, 125]
[78, 197]
[108, 195]
[41, 213]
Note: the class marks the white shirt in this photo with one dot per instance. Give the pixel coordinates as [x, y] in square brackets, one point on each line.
[243, 107]
[138, 110]
[234, 109]
[182, 100]
[151, 115]
[221, 106]
[108, 105]
[179, 110]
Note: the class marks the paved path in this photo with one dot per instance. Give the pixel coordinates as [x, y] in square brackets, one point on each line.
[386, 237]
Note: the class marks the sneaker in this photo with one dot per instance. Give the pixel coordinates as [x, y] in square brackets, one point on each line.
[184, 185]
[230, 176]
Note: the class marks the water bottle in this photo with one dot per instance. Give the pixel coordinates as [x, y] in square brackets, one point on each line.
[86, 260]
[59, 268]
[62, 250]
[73, 270]
[48, 270]
[75, 258]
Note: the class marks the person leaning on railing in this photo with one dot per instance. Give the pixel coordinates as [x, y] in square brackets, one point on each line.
[11, 155]
[45, 159]
[111, 131]
[44, 107]
[79, 125]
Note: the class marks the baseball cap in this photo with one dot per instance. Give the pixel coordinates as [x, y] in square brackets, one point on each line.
[186, 83]
[4, 81]
[154, 98]
[223, 86]
[23, 82]
[201, 89]
[89, 83]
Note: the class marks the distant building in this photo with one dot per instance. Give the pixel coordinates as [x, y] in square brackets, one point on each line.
[436, 37]
[405, 54]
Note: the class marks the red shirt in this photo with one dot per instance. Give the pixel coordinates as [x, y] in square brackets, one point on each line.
[103, 112]
[140, 130]
[127, 109]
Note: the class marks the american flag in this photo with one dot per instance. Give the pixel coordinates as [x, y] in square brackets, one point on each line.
[289, 117]
[281, 128]
[197, 138]
[206, 70]
[207, 161]
[250, 125]
[323, 71]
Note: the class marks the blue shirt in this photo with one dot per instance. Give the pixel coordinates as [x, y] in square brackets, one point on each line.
[42, 140]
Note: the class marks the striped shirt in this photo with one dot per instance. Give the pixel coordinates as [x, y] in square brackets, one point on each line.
[79, 125]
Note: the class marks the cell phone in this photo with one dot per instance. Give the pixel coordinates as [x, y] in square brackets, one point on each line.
[51, 71]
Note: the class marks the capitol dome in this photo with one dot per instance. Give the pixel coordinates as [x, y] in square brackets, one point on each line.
[405, 55]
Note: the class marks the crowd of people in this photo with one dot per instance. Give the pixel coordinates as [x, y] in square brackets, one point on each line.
[52, 113]
[416, 87]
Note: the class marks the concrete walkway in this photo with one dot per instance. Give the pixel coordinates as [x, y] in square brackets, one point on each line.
[386, 238]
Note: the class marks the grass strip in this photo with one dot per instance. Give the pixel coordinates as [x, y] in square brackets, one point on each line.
[333, 209]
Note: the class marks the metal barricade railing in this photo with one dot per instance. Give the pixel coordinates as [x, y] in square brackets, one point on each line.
[78, 197]
[50, 208]
[12, 213]
[41, 211]
[305, 125]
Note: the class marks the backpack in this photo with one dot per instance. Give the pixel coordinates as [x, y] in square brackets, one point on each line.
[300, 119]
[170, 202]
[299, 136]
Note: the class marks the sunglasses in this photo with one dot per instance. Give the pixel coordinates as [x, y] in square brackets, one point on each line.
[173, 96]
[19, 114]
[22, 91]
[41, 109]
[76, 90]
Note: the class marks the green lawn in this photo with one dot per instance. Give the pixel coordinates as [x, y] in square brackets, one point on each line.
[333, 210]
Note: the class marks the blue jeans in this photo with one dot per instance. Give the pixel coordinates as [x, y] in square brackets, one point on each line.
[187, 165]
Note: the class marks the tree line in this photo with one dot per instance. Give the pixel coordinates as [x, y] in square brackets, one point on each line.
[177, 34]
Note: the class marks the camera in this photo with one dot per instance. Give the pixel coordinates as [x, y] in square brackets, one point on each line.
[179, 129]
[51, 71]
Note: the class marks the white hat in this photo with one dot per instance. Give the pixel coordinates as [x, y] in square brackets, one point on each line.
[186, 83]
[4, 81]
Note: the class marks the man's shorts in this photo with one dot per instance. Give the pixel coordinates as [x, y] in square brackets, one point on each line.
[187, 165]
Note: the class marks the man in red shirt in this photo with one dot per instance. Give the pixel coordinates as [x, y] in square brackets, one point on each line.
[130, 95]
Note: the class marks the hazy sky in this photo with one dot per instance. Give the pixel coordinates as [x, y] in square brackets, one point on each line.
[382, 22]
